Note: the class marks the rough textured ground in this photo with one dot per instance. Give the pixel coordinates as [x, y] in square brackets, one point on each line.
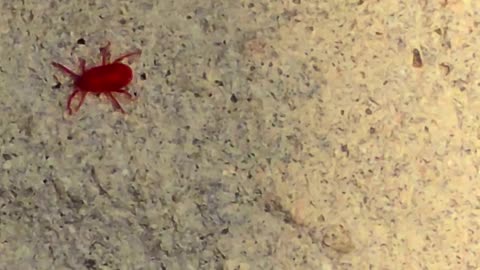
[294, 134]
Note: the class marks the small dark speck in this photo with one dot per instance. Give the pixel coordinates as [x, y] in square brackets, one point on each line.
[168, 73]
[122, 21]
[372, 130]
[81, 41]
[344, 149]
[90, 264]
[57, 86]
[251, 5]
[368, 111]
[143, 76]
[69, 137]
[417, 59]
[233, 98]
[189, 17]
[224, 231]
[219, 83]
[446, 68]
[7, 156]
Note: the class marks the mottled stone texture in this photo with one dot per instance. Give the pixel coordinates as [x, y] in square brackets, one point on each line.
[291, 134]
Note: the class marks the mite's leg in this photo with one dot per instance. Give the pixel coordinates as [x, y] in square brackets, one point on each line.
[114, 101]
[105, 52]
[129, 54]
[123, 91]
[82, 64]
[65, 70]
[70, 99]
[83, 94]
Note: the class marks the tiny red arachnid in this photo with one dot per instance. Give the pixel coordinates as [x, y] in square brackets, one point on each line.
[107, 78]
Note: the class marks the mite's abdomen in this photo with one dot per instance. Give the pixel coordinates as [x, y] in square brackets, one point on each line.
[105, 78]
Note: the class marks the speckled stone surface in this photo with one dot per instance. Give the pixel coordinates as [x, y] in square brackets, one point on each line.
[267, 135]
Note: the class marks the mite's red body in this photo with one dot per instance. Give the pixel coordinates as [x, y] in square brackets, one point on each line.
[106, 79]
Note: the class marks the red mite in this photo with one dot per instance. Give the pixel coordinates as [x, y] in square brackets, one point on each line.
[108, 78]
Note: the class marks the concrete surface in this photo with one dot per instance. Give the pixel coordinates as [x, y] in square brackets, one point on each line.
[267, 135]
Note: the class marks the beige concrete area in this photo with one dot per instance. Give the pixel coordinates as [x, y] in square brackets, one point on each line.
[290, 134]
